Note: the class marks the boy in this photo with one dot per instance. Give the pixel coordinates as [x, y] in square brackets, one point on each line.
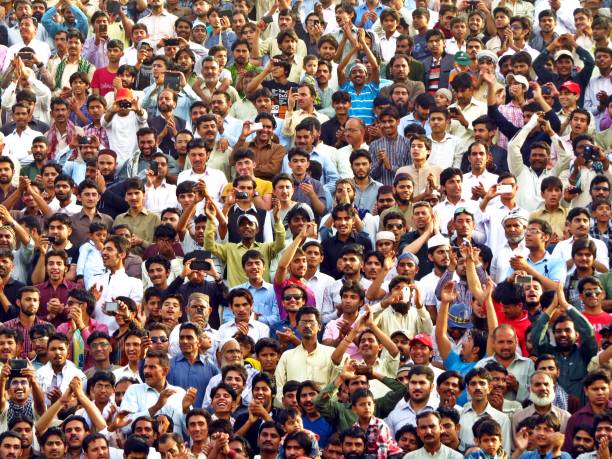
[488, 437]
[547, 439]
[90, 254]
[389, 20]
[379, 441]
[601, 211]
[459, 33]
[102, 79]
[96, 107]
[291, 420]
[551, 190]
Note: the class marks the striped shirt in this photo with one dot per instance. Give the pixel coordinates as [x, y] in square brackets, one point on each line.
[433, 83]
[398, 152]
[362, 103]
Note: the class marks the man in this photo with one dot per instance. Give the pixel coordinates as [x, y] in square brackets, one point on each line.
[515, 298]
[429, 431]
[310, 360]
[115, 282]
[465, 110]
[592, 295]
[191, 370]
[599, 85]
[596, 390]
[305, 97]
[240, 301]
[541, 394]
[519, 368]
[438, 63]
[268, 154]
[159, 22]
[354, 134]
[478, 382]
[269, 439]
[366, 188]
[308, 190]
[28, 28]
[89, 196]
[566, 351]
[19, 142]
[416, 401]
[99, 344]
[155, 395]
[151, 142]
[391, 151]
[28, 303]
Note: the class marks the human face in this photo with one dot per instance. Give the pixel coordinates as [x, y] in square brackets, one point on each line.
[565, 334]
[343, 223]
[438, 122]
[428, 429]
[283, 190]
[603, 60]
[351, 264]
[198, 158]
[435, 45]
[440, 256]
[579, 226]
[188, 342]
[308, 326]
[293, 299]
[385, 201]
[420, 353]
[10, 448]
[323, 74]
[490, 444]
[353, 448]
[419, 388]
[400, 69]
[144, 428]
[28, 303]
[418, 150]
[111, 257]
[478, 388]
[299, 165]
[389, 126]
[154, 373]
[314, 256]
[582, 442]
[75, 433]
[364, 408]
[372, 267]
[54, 447]
[597, 393]
[57, 352]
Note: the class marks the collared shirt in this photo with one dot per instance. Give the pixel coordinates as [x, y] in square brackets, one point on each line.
[556, 218]
[446, 152]
[331, 297]
[330, 174]
[41, 49]
[61, 293]
[415, 321]
[159, 25]
[297, 117]
[91, 327]
[333, 246]
[486, 179]
[25, 332]
[562, 415]
[563, 250]
[522, 368]
[114, 285]
[138, 398]
[420, 176]
[142, 224]
[299, 365]
[80, 226]
[161, 197]
[174, 349]
[340, 159]
[19, 145]
[364, 8]
[184, 374]
[387, 45]
[469, 417]
[264, 303]
[472, 111]
[501, 260]
[365, 198]
[445, 210]
[398, 153]
[318, 283]
[257, 330]
[215, 181]
[268, 158]
[362, 103]
[491, 218]
[596, 84]
[404, 414]
[231, 253]
[443, 453]
[47, 378]
[90, 262]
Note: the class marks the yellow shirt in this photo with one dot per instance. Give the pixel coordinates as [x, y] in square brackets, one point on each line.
[556, 218]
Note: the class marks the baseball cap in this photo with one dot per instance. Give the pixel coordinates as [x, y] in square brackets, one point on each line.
[385, 236]
[249, 217]
[143, 43]
[488, 54]
[462, 58]
[124, 94]
[460, 316]
[406, 333]
[436, 241]
[564, 53]
[518, 78]
[410, 256]
[463, 210]
[572, 87]
[423, 339]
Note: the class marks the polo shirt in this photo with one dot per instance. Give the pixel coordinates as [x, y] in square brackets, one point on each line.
[362, 102]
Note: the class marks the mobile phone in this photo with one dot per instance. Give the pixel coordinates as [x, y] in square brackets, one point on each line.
[51, 239]
[171, 42]
[406, 294]
[17, 365]
[242, 195]
[503, 189]
[201, 265]
[453, 111]
[256, 126]
[111, 307]
[26, 55]
[523, 279]
[267, 19]
[113, 7]
[102, 27]
[172, 81]
[154, 167]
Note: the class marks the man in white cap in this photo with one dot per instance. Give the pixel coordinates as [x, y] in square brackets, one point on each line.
[438, 253]
[514, 224]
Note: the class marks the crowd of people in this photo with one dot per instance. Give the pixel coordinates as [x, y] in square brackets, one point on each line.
[372, 229]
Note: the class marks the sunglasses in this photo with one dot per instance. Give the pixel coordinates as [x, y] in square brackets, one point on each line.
[292, 296]
[159, 339]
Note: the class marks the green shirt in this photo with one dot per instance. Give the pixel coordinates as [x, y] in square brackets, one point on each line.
[142, 225]
[342, 416]
[30, 171]
[231, 252]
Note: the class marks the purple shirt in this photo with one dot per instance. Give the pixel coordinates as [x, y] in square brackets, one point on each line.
[278, 291]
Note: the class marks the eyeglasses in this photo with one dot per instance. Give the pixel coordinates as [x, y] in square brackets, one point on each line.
[159, 339]
[516, 27]
[533, 231]
[99, 345]
[395, 225]
[308, 322]
[592, 292]
[292, 296]
[601, 188]
[20, 382]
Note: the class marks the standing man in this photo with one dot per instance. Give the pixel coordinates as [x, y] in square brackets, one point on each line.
[391, 151]
[429, 431]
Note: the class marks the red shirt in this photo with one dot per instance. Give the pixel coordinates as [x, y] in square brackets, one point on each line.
[103, 80]
[598, 321]
[520, 326]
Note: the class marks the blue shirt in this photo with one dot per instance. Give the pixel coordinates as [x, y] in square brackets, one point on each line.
[264, 303]
[186, 97]
[535, 454]
[80, 21]
[319, 426]
[330, 173]
[551, 267]
[281, 325]
[454, 362]
[362, 104]
[361, 10]
[185, 375]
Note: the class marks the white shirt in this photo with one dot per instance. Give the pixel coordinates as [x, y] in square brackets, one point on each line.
[500, 266]
[18, 146]
[114, 285]
[126, 372]
[42, 50]
[428, 286]
[47, 378]
[492, 218]
[215, 181]
[596, 84]
[486, 179]
[563, 250]
[161, 197]
[175, 350]
[453, 48]
[121, 138]
[139, 398]
[340, 159]
[318, 283]
[447, 152]
[159, 26]
[445, 211]
[469, 417]
[387, 45]
[70, 209]
[257, 330]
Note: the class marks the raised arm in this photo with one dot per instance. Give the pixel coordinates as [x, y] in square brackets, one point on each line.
[343, 64]
[371, 58]
[288, 254]
[492, 322]
[448, 296]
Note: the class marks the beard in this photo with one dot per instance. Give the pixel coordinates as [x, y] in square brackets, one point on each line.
[401, 308]
[353, 455]
[515, 239]
[541, 401]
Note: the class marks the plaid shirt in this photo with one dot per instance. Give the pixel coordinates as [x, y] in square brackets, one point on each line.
[379, 441]
[25, 331]
[606, 236]
[99, 132]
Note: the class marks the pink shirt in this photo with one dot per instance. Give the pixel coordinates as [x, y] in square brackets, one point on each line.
[87, 331]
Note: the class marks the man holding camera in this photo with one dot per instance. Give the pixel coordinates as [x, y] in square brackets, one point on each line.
[238, 202]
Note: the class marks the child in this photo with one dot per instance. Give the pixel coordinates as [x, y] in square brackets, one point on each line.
[219, 53]
[551, 190]
[379, 441]
[601, 212]
[443, 98]
[311, 64]
[547, 439]
[488, 437]
[459, 33]
[389, 20]
[90, 261]
[291, 420]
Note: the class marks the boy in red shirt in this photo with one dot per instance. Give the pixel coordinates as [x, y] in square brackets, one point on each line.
[102, 79]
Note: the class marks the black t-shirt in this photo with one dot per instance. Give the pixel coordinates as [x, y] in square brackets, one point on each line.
[280, 95]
